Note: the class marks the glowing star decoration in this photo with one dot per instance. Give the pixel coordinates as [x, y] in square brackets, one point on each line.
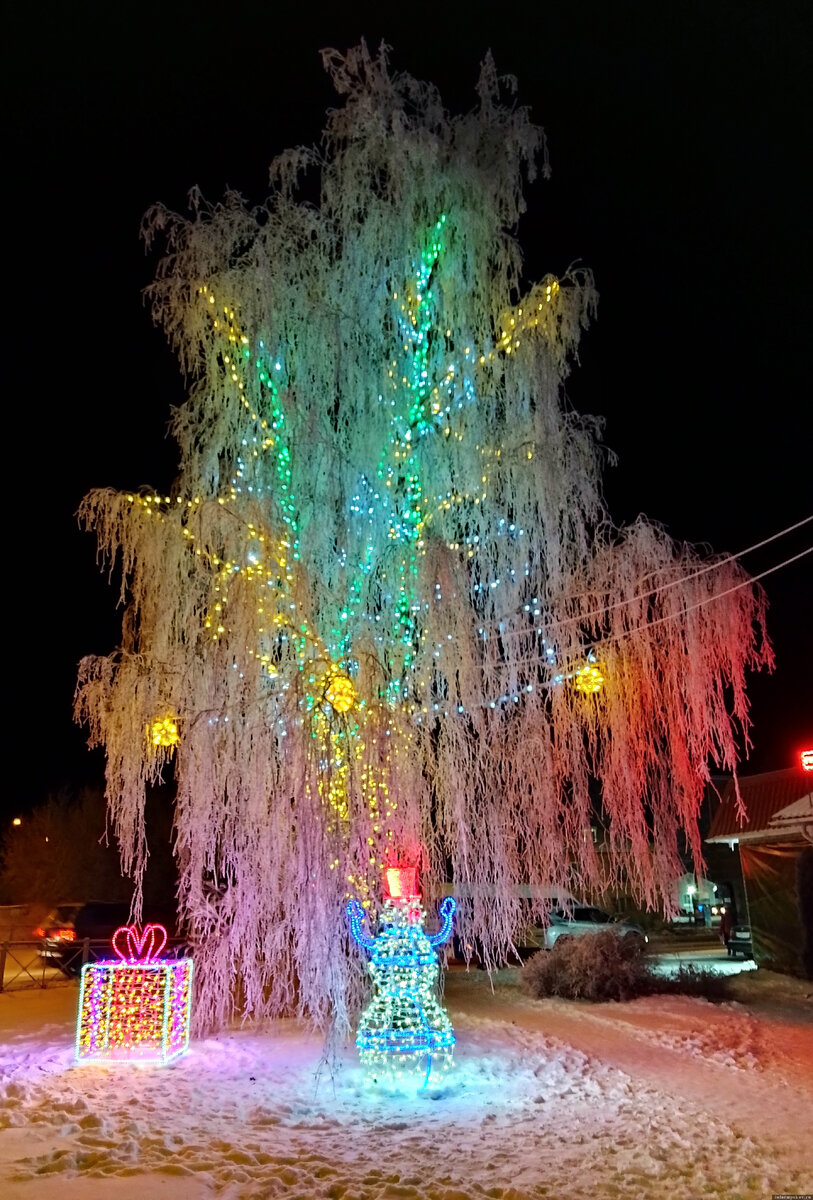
[404, 1036]
[135, 1008]
[164, 732]
[340, 693]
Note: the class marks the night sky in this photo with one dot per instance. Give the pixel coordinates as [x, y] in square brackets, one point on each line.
[679, 138]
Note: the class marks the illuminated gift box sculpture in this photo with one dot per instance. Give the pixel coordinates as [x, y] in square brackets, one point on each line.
[404, 1034]
[135, 1008]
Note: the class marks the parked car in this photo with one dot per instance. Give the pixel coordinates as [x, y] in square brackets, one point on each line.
[564, 924]
[529, 936]
[63, 931]
[739, 942]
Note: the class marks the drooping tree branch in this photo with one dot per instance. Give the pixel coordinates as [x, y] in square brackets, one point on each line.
[384, 609]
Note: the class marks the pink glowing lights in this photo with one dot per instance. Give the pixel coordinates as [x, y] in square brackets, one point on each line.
[135, 1008]
[131, 947]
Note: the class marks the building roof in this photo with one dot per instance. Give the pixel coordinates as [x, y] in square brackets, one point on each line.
[763, 796]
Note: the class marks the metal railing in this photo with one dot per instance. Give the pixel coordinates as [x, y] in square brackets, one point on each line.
[34, 963]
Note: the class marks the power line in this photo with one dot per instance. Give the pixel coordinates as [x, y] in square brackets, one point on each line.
[717, 596]
[681, 612]
[664, 586]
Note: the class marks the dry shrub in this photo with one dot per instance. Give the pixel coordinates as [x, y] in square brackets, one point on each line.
[604, 966]
[596, 966]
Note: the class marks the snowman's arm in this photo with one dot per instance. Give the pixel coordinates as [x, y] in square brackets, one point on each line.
[447, 908]
[355, 914]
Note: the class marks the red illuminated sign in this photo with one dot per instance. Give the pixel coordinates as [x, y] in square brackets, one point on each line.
[807, 760]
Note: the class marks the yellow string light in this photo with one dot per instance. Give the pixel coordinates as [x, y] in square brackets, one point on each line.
[269, 570]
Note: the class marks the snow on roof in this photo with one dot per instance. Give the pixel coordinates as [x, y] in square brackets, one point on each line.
[765, 797]
[796, 814]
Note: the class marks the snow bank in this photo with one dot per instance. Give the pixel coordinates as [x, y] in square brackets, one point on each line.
[249, 1114]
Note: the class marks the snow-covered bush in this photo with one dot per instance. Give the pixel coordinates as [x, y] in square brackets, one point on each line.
[603, 966]
[595, 966]
[693, 981]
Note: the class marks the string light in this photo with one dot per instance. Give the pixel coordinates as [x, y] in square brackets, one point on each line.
[136, 1009]
[419, 407]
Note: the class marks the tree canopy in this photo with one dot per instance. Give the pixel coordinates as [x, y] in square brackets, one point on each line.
[384, 612]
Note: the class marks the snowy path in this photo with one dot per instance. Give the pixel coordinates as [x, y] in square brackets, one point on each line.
[661, 1098]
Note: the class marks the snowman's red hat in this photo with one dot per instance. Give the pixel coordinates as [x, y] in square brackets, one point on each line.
[401, 883]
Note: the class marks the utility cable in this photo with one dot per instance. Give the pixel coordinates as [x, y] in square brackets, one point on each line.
[681, 612]
[664, 586]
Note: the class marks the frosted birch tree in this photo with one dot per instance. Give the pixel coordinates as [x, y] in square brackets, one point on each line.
[384, 613]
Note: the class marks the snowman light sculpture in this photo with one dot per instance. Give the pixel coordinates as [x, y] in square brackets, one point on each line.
[404, 1035]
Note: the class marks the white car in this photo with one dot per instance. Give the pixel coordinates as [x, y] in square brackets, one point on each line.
[564, 924]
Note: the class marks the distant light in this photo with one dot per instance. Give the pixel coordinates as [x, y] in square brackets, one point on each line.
[807, 760]
[17, 821]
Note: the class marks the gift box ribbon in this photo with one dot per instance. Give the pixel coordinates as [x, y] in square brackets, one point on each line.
[134, 946]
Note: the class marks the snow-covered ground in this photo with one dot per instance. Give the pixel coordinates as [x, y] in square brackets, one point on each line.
[663, 1097]
[714, 963]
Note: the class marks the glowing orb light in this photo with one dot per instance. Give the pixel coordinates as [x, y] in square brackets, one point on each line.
[164, 732]
[589, 679]
[135, 1008]
[340, 693]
